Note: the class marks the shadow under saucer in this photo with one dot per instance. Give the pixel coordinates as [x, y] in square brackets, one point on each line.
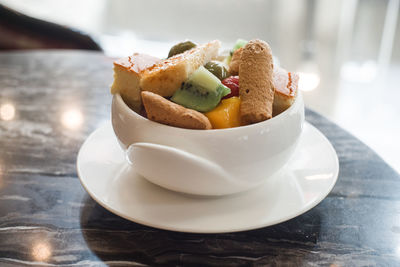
[116, 240]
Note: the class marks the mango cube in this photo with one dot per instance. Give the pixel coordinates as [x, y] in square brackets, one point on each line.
[226, 114]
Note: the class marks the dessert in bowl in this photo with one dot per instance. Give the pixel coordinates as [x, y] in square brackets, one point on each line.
[206, 146]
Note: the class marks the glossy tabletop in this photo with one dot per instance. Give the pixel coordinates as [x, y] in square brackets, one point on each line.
[50, 101]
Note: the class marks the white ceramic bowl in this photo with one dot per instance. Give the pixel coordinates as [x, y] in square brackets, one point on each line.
[207, 162]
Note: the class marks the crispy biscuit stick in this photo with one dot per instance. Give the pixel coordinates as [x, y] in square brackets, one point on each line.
[256, 87]
[164, 111]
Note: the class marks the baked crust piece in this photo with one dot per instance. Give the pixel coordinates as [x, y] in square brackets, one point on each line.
[167, 76]
[235, 62]
[286, 87]
[127, 74]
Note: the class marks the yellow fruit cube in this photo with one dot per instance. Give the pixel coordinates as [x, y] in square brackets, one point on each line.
[226, 114]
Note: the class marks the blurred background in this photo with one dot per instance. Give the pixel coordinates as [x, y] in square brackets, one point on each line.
[346, 51]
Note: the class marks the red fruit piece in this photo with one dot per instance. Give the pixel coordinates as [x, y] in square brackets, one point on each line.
[233, 84]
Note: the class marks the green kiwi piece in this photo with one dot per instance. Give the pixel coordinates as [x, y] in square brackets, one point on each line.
[202, 91]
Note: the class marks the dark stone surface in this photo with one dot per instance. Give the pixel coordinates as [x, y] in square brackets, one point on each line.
[46, 217]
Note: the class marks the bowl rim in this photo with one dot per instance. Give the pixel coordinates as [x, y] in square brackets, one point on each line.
[118, 98]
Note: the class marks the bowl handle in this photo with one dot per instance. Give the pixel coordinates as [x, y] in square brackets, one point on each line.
[176, 169]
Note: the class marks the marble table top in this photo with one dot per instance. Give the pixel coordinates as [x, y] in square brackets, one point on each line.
[50, 101]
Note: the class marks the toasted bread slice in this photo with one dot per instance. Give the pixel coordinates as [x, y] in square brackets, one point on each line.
[166, 112]
[127, 74]
[286, 84]
[165, 77]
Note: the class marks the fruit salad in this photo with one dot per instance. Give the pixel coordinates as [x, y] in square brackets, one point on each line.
[197, 88]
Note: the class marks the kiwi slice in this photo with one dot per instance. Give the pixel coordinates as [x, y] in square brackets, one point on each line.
[202, 91]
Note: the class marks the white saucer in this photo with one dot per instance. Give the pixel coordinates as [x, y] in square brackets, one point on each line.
[304, 182]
